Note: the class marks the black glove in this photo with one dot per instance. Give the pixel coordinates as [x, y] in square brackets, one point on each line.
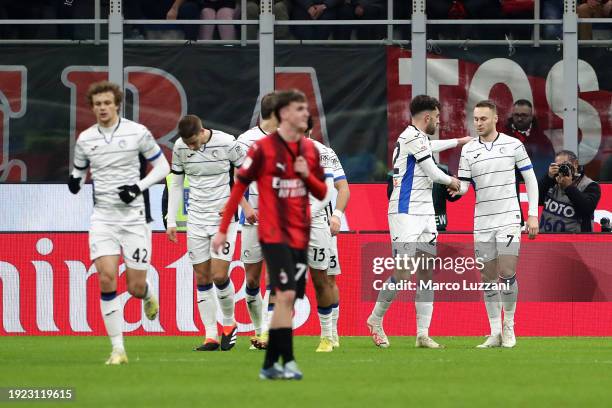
[74, 184]
[129, 193]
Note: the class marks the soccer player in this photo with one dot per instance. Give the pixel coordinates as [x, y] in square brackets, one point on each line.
[335, 222]
[112, 150]
[286, 167]
[489, 163]
[251, 254]
[206, 157]
[412, 221]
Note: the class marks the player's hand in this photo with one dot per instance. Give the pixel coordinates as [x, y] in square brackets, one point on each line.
[454, 185]
[218, 242]
[127, 194]
[74, 184]
[463, 140]
[300, 166]
[553, 170]
[334, 225]
[250, 215]
[171, 233]
[532, 226]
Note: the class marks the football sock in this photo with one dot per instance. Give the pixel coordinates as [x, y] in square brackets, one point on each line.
[113, 319]
[265, 322]
[508, 298]
[335, 317]
[385, 297]
[423, 302]
[254, 302]
[325, 318]
[493, 305]
[285, 343]
[273, 349]
[225, 295]
[207, 306]
[148, 292]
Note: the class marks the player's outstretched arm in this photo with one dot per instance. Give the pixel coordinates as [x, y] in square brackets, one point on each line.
[434, 173]
[160, 170]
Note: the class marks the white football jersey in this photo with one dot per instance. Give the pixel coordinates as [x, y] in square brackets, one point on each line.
[208, 171]
[412, 189]
[112, 157]
[491, 168]
[246, 140]
[332, 168]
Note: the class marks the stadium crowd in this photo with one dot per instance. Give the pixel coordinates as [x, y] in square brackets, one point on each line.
[302, 10]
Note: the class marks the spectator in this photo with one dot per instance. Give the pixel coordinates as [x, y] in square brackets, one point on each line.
[162, 10]
[463, 9]
[568, 196]
[361, 10]
[281, 10]
[314, 10]
[524, 126]
[552, 10]
[518, 9]
[218, 10]
[593, 9]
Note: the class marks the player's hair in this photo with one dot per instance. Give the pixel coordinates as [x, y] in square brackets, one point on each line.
[523, 102]
[268, 102]
[570, 155]
[423, 103]
[487, 104]
[309, 124]
[285, 98]
[188, 126]
[104, 86]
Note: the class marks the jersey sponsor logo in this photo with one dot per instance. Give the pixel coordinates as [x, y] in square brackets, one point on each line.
[289, 187]
[557, 208]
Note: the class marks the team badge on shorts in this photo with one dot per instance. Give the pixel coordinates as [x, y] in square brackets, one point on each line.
[282, 276]
[247, 253]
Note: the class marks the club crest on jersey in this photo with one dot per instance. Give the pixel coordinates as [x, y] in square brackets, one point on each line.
[122, 143]
[502, 150]
[214, 154]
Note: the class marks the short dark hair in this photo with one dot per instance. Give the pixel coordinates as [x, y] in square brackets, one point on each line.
[523, 102]
[285, 98]
[422, 103]
[268, 102]
[104, 86]
[570, 155]
[487, 103]
[309, 124]
[188, 126]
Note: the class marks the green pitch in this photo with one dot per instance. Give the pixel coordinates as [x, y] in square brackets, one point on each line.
[163, 371]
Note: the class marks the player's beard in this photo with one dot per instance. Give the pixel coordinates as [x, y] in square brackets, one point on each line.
[431, 128]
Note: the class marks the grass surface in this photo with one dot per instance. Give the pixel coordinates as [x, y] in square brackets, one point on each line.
[163, 371]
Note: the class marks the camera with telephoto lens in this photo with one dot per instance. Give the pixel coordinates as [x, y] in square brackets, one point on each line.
[566, 169]
[605, 224]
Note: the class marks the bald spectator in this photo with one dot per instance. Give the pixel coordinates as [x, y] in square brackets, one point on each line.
[593, 9]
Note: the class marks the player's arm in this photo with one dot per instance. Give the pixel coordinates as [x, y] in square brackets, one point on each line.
[445, 144]
[175, 193]
[313, 178]
[344, 193]
[248, 172]
[154, 155]
[319, 205]
[79, 171]
[465, 175]
[523, 163]
[418, 147]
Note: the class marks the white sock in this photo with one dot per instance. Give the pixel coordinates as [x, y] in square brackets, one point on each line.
[493, 305]
[207, 306]
[269, 315]
[225, 295]
[325, 318]
[423, 302]
[113, 319]
[508, 298]
[265, 323]
[335, 316]
[385, 297]
[148, 292]
[254, 302]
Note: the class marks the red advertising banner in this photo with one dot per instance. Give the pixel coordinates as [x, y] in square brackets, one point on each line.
[367, 210]
[48, 289]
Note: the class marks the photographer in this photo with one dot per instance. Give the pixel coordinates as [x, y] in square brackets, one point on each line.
[568, 196]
